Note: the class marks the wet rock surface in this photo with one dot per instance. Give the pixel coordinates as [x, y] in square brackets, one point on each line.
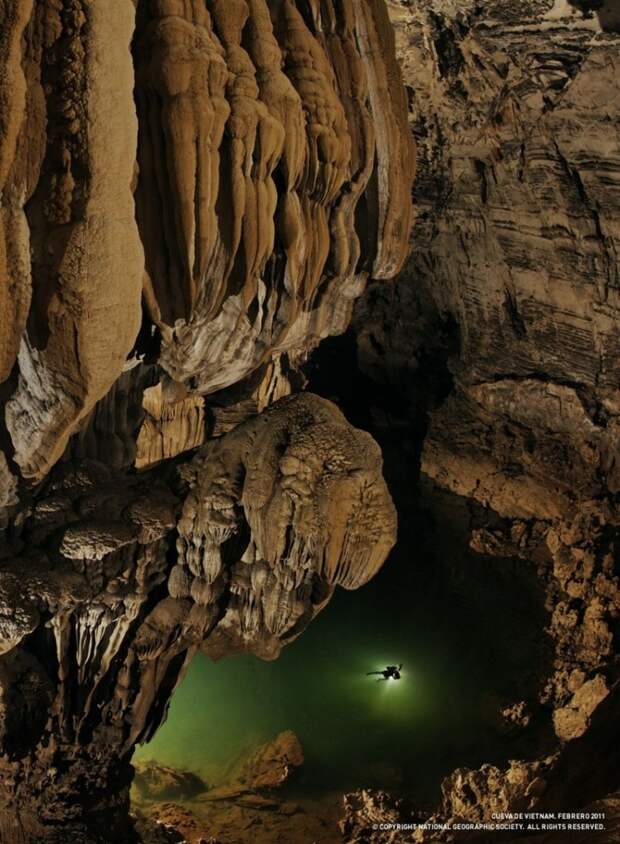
[230, 823]
[270, 765]
[253, 800]
[193, 194]
[153, 781]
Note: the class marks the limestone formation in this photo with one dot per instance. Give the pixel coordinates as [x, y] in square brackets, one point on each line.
[114, 581]
[270, 765]
[365, 811]
[174, 421]
[309, 489]
[75, 249]
[192, 195]
[249, 801]
[469, 798]
[267, 196]
[269, 154]
[503, 327]
[500, 337]
[153, 781]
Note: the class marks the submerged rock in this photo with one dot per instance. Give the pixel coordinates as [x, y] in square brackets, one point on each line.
[153, 781]
[270, 765]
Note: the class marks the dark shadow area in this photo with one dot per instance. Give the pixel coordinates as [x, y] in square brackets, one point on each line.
[467, 628]
[607, 12]
[468, 631]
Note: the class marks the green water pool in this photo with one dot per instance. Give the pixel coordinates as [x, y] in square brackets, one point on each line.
[460, 660]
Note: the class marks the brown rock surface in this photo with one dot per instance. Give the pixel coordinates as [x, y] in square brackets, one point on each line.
[249, 186]
[133, 573]
[270, 765]
[311, 491]
[503, 328]
[366, 810]
[192, 195]
[500, 337]
[86, 259]
[15, 290]
[267, 821]
[257, 179]
[263, 199]
[153, 781]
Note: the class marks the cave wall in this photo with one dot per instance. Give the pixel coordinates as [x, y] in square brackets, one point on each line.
[193, 194]
[512, 288]
[500, 337]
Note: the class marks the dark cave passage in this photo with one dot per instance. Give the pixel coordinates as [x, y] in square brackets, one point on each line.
[457, 644]
[467, 628]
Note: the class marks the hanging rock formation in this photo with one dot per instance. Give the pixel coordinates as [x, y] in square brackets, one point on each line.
[268, 151]
[259, 189]
[192, 195]
[74, 243]
[311, 492]
[114, 581]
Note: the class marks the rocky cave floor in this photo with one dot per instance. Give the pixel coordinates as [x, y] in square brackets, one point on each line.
[255, 799]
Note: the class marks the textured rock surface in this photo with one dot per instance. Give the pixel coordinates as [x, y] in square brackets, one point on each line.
[192, 195]
[247, 817]
[256, 181]
[270, 765]
[153, 781]
[468, 797]
[133, 573]
[76, 249]
[309, 489]
[366, 810]
[259, 194]
[247, 801]
[270, 823]
[500, 338]
[268, 150]
[508, 304]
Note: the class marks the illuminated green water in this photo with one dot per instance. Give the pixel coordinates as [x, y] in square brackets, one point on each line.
[460, 657]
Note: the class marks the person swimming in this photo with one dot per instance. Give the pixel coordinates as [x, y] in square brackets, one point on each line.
[390, 672]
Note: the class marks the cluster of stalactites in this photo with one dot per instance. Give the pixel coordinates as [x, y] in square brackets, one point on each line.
[267, 147]
[275, 172]
[121, 581]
